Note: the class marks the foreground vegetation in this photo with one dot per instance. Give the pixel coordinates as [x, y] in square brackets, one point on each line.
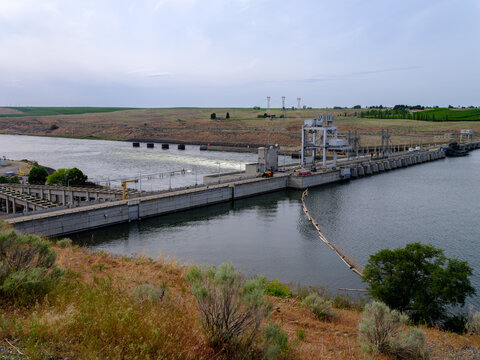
[83, 305]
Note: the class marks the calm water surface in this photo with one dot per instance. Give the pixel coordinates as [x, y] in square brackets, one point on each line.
[435, 203]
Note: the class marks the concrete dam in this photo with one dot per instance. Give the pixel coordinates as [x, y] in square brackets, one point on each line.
[228, 187]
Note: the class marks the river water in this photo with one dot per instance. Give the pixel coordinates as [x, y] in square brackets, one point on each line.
[436, 203]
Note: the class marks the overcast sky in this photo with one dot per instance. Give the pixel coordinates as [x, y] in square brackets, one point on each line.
[160, 53]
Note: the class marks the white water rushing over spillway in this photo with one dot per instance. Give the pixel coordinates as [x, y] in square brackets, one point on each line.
[106, 160]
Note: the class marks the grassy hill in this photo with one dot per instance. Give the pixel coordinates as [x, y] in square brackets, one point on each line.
[243, 127]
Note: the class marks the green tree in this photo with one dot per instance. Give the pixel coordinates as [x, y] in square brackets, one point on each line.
[213, 116]
[57, 178]
[76, 177]
[419, 280]
[69, 177]
[227, 116]
[37, 176]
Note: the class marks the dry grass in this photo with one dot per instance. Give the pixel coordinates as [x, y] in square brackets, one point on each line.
[94, 315]
[194, 125]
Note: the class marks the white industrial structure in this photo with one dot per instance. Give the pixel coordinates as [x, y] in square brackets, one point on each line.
[320, 135]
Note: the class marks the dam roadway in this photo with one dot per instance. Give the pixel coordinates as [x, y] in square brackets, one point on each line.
[66, 221]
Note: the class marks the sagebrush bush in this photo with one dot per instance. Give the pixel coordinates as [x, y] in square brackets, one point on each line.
[383, 331]
[27, 266]
[275, 343]
[278, 289]
[320, 307]
[473, 322]
[64, 243]
[231, 307]
[148, 292]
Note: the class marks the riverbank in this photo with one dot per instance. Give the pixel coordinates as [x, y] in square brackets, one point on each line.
[94, 313]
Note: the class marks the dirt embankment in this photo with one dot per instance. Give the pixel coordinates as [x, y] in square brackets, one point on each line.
[335, 339]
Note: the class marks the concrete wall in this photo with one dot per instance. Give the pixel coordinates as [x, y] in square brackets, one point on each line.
[259, 186]
[303, 182]
[75, 221]
[172, 203]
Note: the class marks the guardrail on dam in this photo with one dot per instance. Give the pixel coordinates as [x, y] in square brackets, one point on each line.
[66, 221]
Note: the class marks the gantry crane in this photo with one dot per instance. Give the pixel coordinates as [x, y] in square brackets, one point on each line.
[124, 186]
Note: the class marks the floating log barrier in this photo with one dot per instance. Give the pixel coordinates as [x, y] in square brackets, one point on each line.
[165, 146]
[348, 260]
[150, 145]
[181, 147]
[203, 147]
[136, 144]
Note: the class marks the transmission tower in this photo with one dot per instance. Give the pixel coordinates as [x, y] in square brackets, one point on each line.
[268, 105]
[386, 143]
[298, 108]
[284, 109]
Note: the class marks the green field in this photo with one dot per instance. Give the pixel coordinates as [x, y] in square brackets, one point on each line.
[437, 115]
[50, 111]
[443, 114]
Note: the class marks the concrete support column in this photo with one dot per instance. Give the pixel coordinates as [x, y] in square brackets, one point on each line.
[14, 206]
[8, 205]
[64, 198]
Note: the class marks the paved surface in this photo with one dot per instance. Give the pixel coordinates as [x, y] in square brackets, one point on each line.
[12, 166]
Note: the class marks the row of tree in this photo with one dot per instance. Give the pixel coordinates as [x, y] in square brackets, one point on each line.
[67, 177]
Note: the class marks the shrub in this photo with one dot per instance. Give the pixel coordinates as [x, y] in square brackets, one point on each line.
[275, 344]
[9, 180]
[301, 334]
[27, 266]
[418, 279]
[383, 331]
[473, 322]
[213, 116]
[231, 307]
[278, 289]
[37, 176]
[64, 243]
[148, 292]
[320, 307]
